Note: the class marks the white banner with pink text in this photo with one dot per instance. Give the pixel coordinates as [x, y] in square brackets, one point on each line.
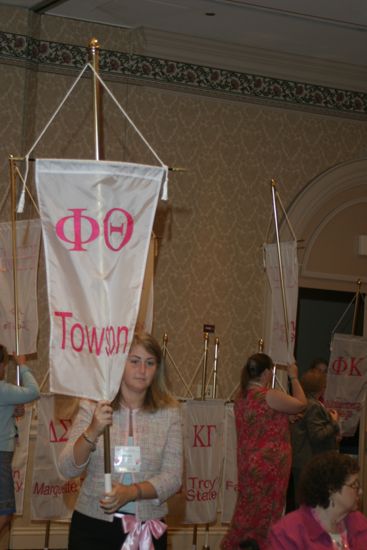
[280, 347]
[28, 234]
[20, 458]
[347, 379]
[204, 451]
[52, 497]
[97, 220]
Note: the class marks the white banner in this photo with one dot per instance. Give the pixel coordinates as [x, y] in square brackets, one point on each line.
[277, 345]
[51, 496]
[28, 234]
[347, 379]
[97, 219]
[229, 482]
[20, 458]
[203, 444]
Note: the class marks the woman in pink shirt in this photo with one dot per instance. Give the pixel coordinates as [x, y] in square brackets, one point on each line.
[328, 518]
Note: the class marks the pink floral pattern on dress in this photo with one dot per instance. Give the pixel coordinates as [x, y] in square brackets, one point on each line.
[264, 463]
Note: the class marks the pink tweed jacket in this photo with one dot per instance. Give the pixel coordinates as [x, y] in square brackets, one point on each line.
[159, 436]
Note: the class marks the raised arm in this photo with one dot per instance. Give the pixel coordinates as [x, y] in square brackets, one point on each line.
[283, 402]
[28, 391]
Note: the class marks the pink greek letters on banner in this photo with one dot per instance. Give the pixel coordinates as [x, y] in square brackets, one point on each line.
[97, 219]
[347, 379]
[58, 430]
[55, 417]
[346, 366]
[85, 229]
[203, 422]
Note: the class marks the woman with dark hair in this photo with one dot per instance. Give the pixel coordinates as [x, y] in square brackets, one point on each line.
[263, 450]
[328, 517]
[146, 443]
[318, 429]
[11, 398]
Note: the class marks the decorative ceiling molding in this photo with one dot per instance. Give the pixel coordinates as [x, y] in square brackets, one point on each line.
[251, 60]
[187, 76]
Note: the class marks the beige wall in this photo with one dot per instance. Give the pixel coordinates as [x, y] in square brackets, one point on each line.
[209, 266]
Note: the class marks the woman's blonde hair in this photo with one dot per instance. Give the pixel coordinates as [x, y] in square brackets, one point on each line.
[158, 395]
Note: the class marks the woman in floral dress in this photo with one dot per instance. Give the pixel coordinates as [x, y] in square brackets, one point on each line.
[263, 450]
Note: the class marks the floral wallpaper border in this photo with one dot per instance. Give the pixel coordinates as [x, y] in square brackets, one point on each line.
[241, 85]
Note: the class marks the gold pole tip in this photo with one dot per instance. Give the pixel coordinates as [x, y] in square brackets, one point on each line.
[94, 43]
[273, 183]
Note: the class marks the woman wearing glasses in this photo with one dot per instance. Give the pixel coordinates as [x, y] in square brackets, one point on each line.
[328, 518]
[146, 447]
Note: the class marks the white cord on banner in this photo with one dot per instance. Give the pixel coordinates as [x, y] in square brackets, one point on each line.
[20, 207]
[286, 217]
[164, 192]
[28, 191]
[342, 317]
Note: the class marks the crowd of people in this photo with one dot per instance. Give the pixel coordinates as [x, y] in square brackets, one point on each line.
[277, 433]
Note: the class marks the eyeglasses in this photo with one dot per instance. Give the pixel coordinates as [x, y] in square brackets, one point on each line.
[356, 485]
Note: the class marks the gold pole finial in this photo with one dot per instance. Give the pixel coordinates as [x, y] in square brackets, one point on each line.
[356, 306]
[94, 43]
[261, 345]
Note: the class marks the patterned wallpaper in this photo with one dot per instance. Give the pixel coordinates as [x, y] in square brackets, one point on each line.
[231, 132]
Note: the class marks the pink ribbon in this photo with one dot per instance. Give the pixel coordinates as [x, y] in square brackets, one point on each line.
[139, 534]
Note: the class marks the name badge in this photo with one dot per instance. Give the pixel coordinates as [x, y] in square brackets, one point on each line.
[127, 459]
